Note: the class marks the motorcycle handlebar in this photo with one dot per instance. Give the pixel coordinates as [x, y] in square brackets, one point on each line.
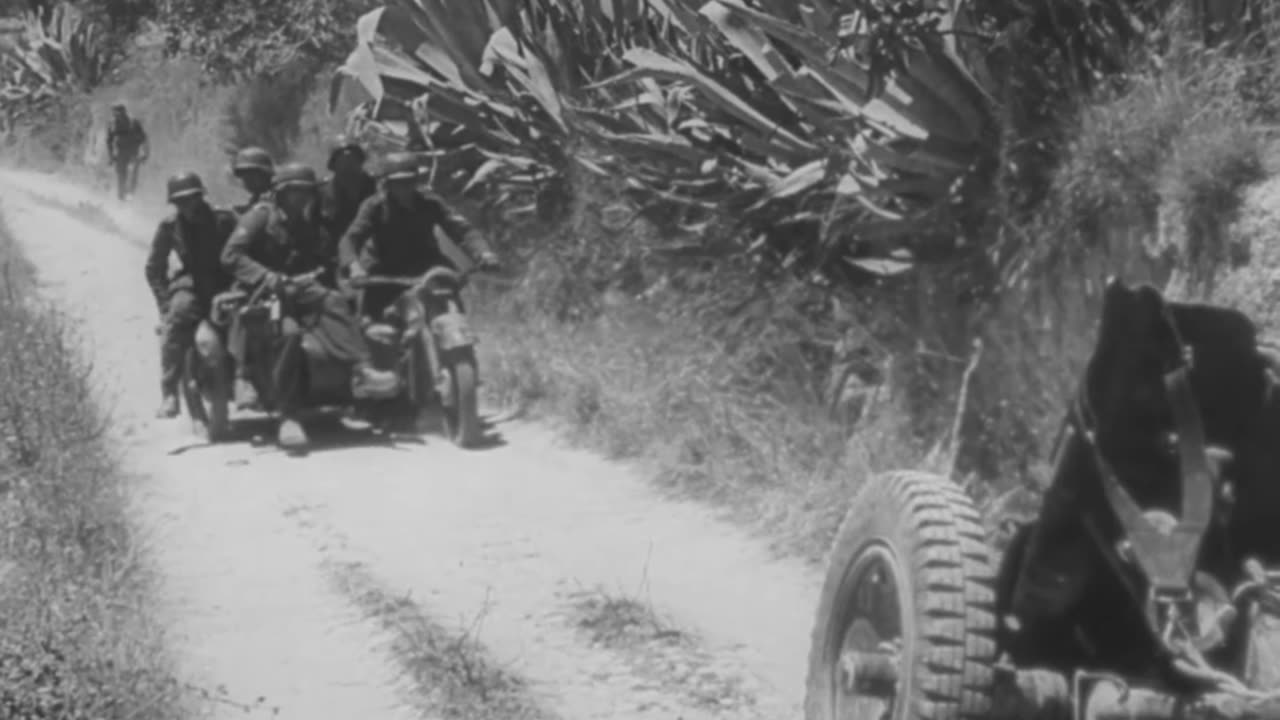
[264, 287]
[360, 282]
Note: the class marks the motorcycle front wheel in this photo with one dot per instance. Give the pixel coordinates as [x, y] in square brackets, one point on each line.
[460, 397]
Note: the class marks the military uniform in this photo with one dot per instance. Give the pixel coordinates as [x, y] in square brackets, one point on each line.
[126, 142]
[253, 201]
[185, 298]
[388, 238]
[265, 243]
[340, 201]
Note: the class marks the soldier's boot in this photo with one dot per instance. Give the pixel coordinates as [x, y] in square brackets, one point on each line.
[245, 395]
[168, 406]
[368, 381]
[291, 435]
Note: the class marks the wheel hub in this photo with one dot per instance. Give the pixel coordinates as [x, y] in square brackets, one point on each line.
[869, 657]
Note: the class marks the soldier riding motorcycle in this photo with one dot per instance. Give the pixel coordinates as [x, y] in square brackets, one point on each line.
[284, 238]
[393, 233]
[196, 233]
[348, 185]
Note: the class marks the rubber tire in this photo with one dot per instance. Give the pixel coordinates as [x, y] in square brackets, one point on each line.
[208, 403]
[945, 579]
[464, 430]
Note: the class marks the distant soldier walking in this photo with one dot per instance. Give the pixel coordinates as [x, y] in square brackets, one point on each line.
[127, 149]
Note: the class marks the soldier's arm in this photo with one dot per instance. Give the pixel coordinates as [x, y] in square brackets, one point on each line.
[358, 234]
[226, 224]
[461, 231]
[369, 254]
[328, 258]
[236, 256]
[157, 265]
[144, 148]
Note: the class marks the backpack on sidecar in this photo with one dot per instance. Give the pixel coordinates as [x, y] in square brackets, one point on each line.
[1145, 588]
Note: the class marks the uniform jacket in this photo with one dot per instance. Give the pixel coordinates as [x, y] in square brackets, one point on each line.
[253, 200]
[125, 139]
[199, 246]
[265, 241]
[401, 241]
[339, 205]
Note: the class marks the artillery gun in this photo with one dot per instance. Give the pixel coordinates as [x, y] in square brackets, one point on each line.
[1146, 586]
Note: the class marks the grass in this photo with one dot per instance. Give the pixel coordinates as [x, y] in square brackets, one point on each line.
[451, 673]
[78, 640]
[657, 652]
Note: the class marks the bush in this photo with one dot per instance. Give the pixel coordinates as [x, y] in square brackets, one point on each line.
[1153, 178]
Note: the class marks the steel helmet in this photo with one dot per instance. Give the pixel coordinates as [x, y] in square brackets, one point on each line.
[184, 184]
[295, 175]
[401, 166]
[253, 158]
[344, 143]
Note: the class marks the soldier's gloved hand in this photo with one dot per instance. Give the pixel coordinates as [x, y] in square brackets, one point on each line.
[488, 261]
[272, 282]
[356, 270]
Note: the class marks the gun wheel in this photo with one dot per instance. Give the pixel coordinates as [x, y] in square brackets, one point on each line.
[905, 627]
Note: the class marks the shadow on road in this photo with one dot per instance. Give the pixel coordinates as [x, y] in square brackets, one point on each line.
[330, 433]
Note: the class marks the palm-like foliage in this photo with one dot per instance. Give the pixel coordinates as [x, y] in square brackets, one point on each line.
[826, 127]
[41, 59]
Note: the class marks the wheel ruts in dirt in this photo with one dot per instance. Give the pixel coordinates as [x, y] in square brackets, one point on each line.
[926, 529]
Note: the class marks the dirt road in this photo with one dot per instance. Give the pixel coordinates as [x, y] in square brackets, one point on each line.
[385, 580]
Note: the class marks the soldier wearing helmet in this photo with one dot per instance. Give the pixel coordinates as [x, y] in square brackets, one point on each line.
[347, 186]
[127, 149]
[196, 234]
[253, 167]
[285, 237]
[394, 232]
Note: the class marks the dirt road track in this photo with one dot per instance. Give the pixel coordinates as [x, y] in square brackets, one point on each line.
[374, 579]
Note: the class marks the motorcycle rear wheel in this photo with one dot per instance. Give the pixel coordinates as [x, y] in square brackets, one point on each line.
[207, 395]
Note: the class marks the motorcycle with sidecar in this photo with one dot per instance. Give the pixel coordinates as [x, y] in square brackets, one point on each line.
[1146, 587]
[423, 335]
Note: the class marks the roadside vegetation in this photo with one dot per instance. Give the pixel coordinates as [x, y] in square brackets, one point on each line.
[79, 639]
[764, 318]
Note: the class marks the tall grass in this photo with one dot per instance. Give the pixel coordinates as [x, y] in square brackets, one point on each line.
[77, 639]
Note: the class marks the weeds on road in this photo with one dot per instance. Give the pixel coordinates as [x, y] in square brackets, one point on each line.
[450, 671]
[76, 638]
[657, 651]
